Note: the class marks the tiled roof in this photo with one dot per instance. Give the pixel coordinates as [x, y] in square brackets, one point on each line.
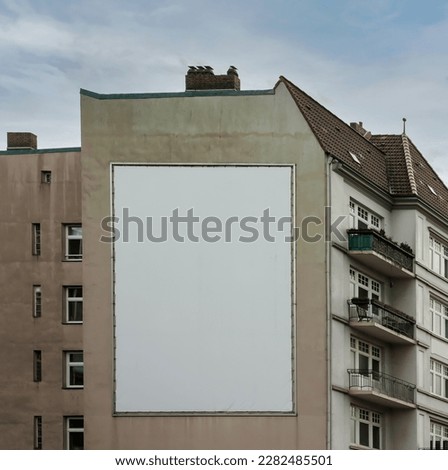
[392, 146]
[391, 162]
[428, 186]
[339, 139]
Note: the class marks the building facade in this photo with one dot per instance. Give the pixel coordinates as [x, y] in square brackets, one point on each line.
[338, 342]
[41, 289]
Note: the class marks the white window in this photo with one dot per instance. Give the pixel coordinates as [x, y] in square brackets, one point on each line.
[74, 428]
[438, 257]
[366, 357]
[439, 318]
[439, 378]
[362, 218]
[438, 436]
[38, 432]
[366, 428]
[73, 304]
[73, 242]
[364, 287]
[74, 369]
[37, 302]
[36, 239]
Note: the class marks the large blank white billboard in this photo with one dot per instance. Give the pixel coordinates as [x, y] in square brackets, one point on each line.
[203, 288]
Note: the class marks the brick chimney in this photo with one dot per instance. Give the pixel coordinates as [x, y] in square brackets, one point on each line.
[360, 130]
[203, 78]
[21, 141]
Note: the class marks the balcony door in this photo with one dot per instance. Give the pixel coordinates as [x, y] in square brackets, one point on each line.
[366, 359]
[364, 287]
[362, 218]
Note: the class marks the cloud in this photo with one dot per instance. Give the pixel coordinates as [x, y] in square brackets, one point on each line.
[350, 63]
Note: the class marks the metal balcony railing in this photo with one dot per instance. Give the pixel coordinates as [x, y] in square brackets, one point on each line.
[371, 240]
[367, 379]
[371, 310]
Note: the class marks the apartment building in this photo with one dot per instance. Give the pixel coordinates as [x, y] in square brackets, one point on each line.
[41, 292]
[337, 340]
[388, 288]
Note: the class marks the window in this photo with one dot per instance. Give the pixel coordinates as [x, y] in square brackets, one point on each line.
[73, 304]
[74, 428]
[45, 176]
[362, 218]
[73, 242]
[37, 366]
[38, 432]
[37, 301]
[438, 257]
[439, 317]
[365, 357]
[438, 436]
[432, 190]
[364, 287]
[36, 239]
[74, 369]
[439, 378]
[366, 428]
[355, 157]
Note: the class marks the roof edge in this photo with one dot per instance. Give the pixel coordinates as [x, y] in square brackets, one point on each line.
[32, 151]
[180, 94]
[289, 84]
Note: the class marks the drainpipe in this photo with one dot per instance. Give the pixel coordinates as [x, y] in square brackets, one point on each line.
[328, 171]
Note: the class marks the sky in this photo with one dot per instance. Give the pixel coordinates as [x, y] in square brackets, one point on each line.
[374, 61]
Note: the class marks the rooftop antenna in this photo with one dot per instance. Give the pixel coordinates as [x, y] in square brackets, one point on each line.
[404, 126]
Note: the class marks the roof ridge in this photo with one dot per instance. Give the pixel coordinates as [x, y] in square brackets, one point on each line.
[408, 162]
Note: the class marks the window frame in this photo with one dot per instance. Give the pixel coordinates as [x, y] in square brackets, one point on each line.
[36, 239]
[37, 301]
[68, 300]
[438, 258]
[69, 364]
[37, 431]
[370, 352]
[45, 176]
[438, 430]
[374, 288]
[438, 370]
[68, 238]
[439, 316]
[68, 430]
[370, 221]
[37, 365]
[372, 419]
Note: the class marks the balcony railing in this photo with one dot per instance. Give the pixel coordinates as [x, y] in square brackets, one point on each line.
[371, 240]
[364, 379]
[370, 310]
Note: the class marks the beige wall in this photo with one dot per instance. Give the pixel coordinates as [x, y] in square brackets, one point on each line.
[25, 201]
[264, 128]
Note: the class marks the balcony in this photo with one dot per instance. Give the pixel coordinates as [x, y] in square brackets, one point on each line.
[376, 251]
[381, 389]
[381, 321]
